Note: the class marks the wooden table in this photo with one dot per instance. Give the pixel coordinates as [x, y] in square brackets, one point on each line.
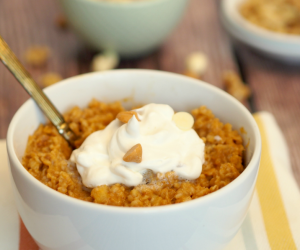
[275, 86]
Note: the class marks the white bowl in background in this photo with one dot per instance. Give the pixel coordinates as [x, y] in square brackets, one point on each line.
[59, 222]
[283, 47]
[131, 29]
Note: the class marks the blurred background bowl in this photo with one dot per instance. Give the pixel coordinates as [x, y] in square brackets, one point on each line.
[132, 29]
[283, 47]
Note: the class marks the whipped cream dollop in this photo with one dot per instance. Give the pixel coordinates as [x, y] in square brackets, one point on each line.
[165, 148]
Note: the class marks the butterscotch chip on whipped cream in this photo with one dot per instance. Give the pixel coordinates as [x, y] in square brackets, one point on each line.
[134, 154]
[125, 116]
[183, 120]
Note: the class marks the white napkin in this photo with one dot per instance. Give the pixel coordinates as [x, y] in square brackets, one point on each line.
[273, 220]
[9, 218]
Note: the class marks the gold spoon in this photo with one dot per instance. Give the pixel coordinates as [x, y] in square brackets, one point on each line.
[10, 60]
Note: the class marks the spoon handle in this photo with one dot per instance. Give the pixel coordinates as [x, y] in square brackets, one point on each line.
[21, 74]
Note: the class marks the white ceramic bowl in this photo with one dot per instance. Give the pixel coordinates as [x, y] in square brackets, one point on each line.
[59, 222]
[279, 46]
[131, 29]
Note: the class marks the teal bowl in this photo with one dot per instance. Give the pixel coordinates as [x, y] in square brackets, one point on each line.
[132, 29]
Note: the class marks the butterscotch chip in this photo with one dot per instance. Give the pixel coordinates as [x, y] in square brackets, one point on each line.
[191, 74]
[183, 120]
[134, 154]
[61, 22]
[235, 86]
[196, 64]
[50, 79]
[125, 116]
[105, 61]
[37, 55]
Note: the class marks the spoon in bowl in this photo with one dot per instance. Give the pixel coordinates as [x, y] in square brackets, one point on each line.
[10, 60]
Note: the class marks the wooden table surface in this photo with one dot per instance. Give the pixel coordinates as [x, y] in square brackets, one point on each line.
[275, 86]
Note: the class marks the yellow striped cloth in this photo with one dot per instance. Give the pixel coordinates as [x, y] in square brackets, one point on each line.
[273, 220]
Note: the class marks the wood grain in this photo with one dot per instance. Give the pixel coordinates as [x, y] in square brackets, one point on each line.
[27, 23]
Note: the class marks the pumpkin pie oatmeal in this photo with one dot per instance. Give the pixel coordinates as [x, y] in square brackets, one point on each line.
[134, 177]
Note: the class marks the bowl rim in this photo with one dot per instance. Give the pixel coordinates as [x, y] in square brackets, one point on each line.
[232, 7]
[137, 210]
[124, 5]
[279, 45]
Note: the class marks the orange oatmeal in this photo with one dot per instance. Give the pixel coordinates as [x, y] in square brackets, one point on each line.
[47, 154]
